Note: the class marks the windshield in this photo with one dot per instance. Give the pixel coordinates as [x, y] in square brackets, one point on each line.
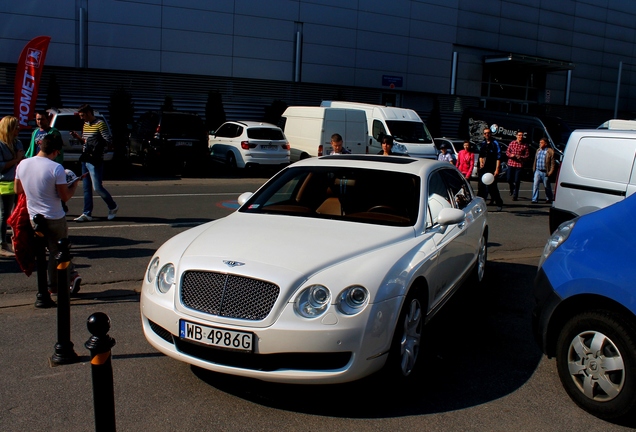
[351, 194]
[409, 132]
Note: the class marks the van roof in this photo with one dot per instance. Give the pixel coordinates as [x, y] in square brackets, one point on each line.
[619, 124]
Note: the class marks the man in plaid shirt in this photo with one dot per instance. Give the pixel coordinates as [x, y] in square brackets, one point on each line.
[518, 153]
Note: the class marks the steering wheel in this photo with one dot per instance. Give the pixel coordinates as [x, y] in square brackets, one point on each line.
[381, 209]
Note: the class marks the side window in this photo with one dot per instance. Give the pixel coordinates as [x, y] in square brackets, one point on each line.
[378, 129]
[438, 197]
[459, 189]
[226, 131]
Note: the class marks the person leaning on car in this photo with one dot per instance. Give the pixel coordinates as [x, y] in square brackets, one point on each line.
[337, 146]
[544, 167]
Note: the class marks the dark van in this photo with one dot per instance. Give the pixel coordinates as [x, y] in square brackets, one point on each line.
[505, 126]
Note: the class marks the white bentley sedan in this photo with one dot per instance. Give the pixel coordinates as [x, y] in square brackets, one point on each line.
[326, 274]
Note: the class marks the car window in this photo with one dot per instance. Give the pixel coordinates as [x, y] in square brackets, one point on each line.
[459, 189]
[175, 123]
[438, 197]
[351, 194]
[265, 134]
[378, 129]
[228, 130]
[68, 123]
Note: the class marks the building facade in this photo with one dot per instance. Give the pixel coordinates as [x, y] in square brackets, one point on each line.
[517, 55]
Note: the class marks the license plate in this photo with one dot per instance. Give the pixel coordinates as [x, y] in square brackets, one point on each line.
[183, 144]
[268, 147]
[222, 338]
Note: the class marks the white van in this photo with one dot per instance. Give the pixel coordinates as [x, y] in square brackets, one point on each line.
[597, 170]
[404, 125]
[309, 129]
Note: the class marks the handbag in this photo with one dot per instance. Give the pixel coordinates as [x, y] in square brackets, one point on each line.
[7, 188]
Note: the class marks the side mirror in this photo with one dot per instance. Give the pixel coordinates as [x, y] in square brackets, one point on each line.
[450, 216]
[242, 199]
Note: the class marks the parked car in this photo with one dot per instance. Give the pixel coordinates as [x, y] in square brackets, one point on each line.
[169, 140]
[585, 312]
[66, 120]
[326, 274]
[592, 176]
[247, 143]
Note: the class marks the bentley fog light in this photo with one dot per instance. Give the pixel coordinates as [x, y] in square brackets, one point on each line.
[313, 301]
[152, 269]
[353, 299]
[165, 278]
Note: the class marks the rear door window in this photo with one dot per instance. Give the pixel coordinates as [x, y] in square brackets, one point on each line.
[270, 134]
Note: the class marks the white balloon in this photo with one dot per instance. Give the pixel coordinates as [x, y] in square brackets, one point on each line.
[488, 179]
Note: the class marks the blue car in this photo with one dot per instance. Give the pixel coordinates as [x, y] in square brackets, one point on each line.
[585, 313]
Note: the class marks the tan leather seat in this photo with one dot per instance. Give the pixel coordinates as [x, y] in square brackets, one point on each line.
[330, 206]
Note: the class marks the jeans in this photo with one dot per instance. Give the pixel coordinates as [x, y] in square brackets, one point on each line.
[7, 202]
[542, 177]
[514, 180]
[93, 181]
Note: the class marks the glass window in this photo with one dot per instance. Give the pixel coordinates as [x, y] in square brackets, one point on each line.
[265, 134]
[438, 197]
[459, 188]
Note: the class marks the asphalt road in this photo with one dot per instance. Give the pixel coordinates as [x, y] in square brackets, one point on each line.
[481, 369]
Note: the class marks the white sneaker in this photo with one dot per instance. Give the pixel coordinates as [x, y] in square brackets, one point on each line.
[76, 280]
[83, 218]
[112, 213]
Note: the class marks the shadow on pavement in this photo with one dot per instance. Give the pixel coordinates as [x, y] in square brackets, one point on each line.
[477, 349]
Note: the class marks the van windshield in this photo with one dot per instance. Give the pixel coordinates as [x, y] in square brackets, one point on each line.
[409, 132]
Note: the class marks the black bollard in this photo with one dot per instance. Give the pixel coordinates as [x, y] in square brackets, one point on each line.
[43, 297]
[100, 345]
[64, 353]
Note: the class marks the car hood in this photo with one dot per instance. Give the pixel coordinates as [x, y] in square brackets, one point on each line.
[268, 246]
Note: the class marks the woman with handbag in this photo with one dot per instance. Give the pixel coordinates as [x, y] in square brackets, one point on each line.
[11, 153]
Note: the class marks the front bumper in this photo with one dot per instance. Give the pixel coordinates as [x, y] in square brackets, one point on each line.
[546, 302]
[330, 349]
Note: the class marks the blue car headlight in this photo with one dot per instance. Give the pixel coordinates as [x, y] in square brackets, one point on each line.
[313, 301]
[557, 238]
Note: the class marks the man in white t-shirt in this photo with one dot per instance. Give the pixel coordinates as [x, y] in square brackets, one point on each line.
[44, 183]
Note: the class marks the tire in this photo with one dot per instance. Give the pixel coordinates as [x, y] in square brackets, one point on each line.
[596, 362]
[230, 161]
[479, 271]
[407, 338]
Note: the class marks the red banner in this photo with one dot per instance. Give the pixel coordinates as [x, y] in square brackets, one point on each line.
[27, 78]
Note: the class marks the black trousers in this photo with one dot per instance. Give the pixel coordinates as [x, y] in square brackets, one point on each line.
[483, 190]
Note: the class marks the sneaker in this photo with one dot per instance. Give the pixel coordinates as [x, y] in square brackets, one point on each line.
[535, 202]
[83, 218]
[548, 201]
[45, 303]
[112, 213]
[6, 252]
[52, 289]
[76, 280]
[499, 208]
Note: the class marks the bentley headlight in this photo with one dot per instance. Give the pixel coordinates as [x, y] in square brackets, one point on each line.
[559, 235]
[152, 269]
[313, 301]
[165, 278]
[353, 299]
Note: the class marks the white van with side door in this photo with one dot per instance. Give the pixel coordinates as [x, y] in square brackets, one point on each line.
[309, 129]
[404, 125]
[597, 170]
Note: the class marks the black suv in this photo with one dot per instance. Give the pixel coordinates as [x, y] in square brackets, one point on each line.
[169, 141]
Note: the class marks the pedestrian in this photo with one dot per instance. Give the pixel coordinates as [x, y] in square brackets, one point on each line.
[466, 160]
[337, 146]
[44, 128]
[518, 153]
[44, 183]
[95, 138]
[544, 168]
[489, 162]
[11, 153]
[387, 145]
[445, 155]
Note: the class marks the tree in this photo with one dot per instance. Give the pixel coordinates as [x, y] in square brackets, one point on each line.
[53, 97]
[274, 112]
[214, 111]
[122, 111]
[168, 104]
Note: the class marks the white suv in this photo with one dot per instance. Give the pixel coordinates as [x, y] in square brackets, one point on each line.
[66, 120]
[241, 144]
